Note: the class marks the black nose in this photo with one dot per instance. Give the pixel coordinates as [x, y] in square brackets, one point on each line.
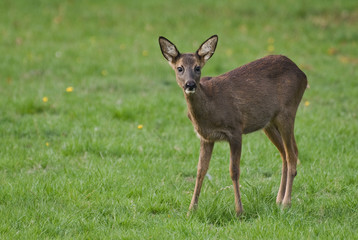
[191, 85]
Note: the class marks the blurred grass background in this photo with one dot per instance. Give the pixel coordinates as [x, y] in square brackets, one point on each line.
[74, 164]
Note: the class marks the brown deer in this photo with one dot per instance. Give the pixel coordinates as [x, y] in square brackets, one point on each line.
[263, 94]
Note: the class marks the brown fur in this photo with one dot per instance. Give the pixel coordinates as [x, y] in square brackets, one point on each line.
[263, 94]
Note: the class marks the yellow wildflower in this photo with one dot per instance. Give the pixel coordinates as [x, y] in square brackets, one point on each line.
[104, 72]
[271, 48]
[69, 89]
[331, 51]
[228, 52]
[344, 59]
[45, 99]
[47, 144]
[307, 103]
[145, 53]
[140, 126]
[271, 40]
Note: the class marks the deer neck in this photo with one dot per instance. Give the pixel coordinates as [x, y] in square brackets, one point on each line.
[198, 104]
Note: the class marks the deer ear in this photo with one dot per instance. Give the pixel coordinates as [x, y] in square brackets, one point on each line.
[169, 50]
[207, 49]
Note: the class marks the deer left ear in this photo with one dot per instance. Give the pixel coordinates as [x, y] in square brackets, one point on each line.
[207, 49]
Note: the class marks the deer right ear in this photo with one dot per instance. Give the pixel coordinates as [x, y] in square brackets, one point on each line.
[169, 50]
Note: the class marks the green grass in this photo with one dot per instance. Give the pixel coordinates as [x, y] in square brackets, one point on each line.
[77, 166]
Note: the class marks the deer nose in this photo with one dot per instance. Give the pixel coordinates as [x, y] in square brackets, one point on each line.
[190, 85]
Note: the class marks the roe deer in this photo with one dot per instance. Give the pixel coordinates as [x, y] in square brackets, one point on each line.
[263, 94]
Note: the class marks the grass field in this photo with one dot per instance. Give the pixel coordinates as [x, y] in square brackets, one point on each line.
[95, 142]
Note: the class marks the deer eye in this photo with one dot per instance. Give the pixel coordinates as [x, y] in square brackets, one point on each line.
[197, 69]
[180, 69]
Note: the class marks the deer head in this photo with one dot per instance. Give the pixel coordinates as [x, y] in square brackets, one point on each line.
[187, 66]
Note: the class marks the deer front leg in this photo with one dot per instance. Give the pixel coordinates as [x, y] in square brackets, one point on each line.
[206, 149]
[235, 154]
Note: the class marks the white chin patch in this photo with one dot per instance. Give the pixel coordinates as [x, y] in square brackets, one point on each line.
[187, 91]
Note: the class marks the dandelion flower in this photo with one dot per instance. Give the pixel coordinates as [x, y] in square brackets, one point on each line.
[271, 48]
[69, 89]
[331, 51]
[307, 103]
[45, 99]
[104, 72]
[140, 126]
[47, 144]
[228, 52]
[344, 59]
[145, 53]
[271, 40]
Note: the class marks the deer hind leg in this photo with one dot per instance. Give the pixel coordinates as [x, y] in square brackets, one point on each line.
[286, 129]
[206, 149]
[274, 135]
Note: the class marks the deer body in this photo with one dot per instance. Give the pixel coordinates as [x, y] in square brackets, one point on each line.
[263, 94]
[237, 100]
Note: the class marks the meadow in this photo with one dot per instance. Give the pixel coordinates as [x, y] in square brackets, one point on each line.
[95, 142]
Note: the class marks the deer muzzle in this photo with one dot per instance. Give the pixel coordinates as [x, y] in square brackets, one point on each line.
[190, 87]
